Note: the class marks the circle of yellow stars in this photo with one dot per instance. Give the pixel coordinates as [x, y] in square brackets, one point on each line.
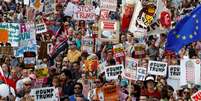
[184, 37]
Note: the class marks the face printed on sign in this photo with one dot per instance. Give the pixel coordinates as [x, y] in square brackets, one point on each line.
[165, 19]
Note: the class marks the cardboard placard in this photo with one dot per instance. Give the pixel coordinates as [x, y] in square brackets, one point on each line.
[110, 5]
[141, 73]
[190, 71]
[87, 44]
[157, 68]
[44, 94]
[118, 50]
[41, 28]
[85, 12]
[109, 25]
[174, 71]
[112, 72]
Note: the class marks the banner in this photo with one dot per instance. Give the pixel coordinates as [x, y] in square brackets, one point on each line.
[110, 5]
[109, 25]
[44, 94]
[87, 44]
[174, 72]
[196, 96]
[157, 68]
[118, 50]
[112, 72]
[141, 73]
[190, 71]
[41, 28]
[49, 6]
[85, 12]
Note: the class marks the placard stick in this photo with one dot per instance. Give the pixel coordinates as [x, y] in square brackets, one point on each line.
[129, 87]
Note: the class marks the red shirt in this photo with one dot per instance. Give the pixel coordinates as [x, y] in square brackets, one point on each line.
[155, 94]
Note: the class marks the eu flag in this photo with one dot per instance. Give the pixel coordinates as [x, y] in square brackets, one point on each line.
[186, 31]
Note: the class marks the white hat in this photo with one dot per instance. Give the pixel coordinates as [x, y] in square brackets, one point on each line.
[27, 79]
[130, 2]
[149, 78]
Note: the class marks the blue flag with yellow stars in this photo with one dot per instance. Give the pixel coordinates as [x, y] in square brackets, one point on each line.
[186, 31]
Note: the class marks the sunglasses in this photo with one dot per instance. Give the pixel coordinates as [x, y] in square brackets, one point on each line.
[77, 88]
[27, 84]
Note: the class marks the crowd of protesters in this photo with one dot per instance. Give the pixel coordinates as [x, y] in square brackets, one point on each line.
[66, 73]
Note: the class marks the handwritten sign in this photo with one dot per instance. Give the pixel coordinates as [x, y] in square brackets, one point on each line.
[85, 12]
[118, 50]
[141, 73]
[41, 28]
[87, 45]
[49, 6]
[109, 25]
[112, 72]
[157, 68]
[174, 71]
[44, 94]
[108, 5]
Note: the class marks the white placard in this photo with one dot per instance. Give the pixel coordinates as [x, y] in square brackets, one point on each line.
[157, 68]
[112, 72]
[174, 71]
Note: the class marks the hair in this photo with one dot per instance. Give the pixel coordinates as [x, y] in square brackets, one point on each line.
[67, 73]
[80, 84]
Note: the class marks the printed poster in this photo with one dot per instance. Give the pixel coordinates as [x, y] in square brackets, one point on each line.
[112, 72]
[157, 68]
[190, 71]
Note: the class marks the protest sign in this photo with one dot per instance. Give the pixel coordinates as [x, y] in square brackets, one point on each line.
[37, 4]
[4, 35]
[157, 68]
[174, 72]
[30, 12]
[131, 63]
[118, 50]
[104, 14]
[130, 73]
[29, 59]
[141, 73]
[70, 9]
[110, 5]
[14, 30]
[109, 25]
[84, 12]
[140, 51]
[91, 65]
[112, 72]
[49, 6]
[196, 96]
[111, 92]
[20, 51]
[87, 44]
[41, 71]
[190, 71]
[49, 46]
[41, 28]
[44, 94]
